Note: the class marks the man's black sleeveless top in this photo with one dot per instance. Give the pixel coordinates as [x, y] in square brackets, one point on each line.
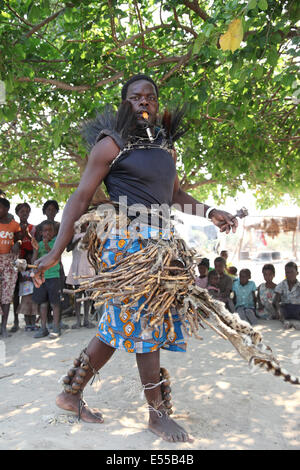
[144, 172]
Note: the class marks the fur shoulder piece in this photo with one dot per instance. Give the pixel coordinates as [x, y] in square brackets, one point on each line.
[118, 125]
[171, 122]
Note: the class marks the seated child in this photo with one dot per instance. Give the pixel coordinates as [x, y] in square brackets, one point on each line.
[287, 295]
[265, 294]
[212, 285]
[203, 267]
[244, 297]
[232, 272]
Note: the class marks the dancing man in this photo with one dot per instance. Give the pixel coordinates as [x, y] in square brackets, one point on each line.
[141, 167]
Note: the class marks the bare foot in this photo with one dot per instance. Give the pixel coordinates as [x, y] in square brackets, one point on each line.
[166, 428]
[70, 402]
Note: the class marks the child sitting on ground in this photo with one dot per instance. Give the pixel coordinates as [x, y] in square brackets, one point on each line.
[287, 297]
[202, 279]
[265, 294]
[212, 285]
[244, 297]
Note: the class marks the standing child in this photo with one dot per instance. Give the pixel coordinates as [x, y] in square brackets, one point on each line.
[265, 294]
[49, 292]
[26, 306]
[80, 267]
[22, 210]
[244, 297]
[9, 250]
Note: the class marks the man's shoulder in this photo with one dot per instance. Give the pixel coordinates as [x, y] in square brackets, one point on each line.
[105, 150]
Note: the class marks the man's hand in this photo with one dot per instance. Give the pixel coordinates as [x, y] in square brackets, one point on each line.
[43, 263]
[223, 220]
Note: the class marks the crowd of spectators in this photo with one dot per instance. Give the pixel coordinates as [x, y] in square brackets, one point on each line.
[252, 303]
[42, 307]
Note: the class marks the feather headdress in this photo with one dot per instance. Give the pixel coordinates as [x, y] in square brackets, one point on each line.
[118, 125]
[122, 126]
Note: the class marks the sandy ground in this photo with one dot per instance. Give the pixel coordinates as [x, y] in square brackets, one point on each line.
[216, 398]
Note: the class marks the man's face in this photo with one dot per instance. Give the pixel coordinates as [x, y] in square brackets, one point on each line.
[220, 267]
[142, 95]
[291, 274]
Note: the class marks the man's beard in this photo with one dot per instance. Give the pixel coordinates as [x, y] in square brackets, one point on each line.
[140, 128]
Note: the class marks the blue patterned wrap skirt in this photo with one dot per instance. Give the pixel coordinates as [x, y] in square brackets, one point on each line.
[118, 329]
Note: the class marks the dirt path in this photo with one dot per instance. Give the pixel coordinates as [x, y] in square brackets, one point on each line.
[219, 401]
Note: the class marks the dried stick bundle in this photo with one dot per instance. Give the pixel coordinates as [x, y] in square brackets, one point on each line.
[160, 276]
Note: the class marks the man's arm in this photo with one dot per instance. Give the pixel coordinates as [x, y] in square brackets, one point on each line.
[188, 204]
[101, 156]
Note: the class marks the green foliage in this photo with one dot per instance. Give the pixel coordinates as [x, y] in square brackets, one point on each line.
[62, 61]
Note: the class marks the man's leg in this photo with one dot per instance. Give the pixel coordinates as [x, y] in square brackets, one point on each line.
[56, 320]
[5, 310]
[86, 310]
[16, 303]
[159, 421]
[77, 308]
[99, 353]
[43, 331]
[44, 307]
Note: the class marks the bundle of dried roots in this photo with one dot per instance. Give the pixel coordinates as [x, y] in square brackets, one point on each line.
[161, 276]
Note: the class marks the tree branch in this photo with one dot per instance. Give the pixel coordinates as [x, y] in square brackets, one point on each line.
[194, 5]
[182, 26]
[112, 23]
[133, 38]
[67, 86]
[181, 62]
[7, 183]
[17, 15]
[186, 186]
[44, 22]
[136, 6]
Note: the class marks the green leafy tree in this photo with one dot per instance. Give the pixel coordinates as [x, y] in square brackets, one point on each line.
[62, 61]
